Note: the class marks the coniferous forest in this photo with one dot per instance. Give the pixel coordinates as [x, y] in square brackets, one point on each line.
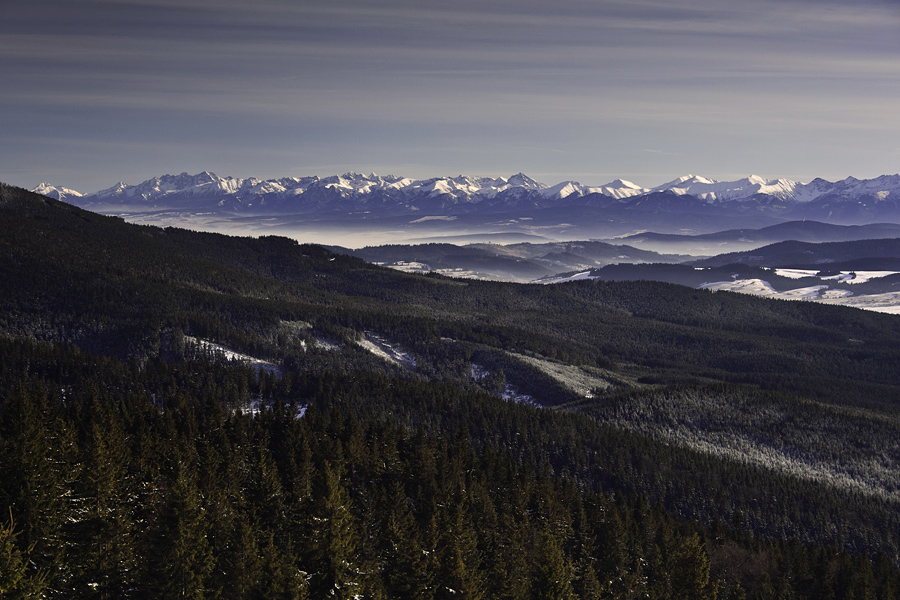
[409, 436]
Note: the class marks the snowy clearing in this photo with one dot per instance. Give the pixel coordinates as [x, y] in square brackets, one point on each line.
[378, 346]
[885, 303]
[758, 287]
[795, 273]
[228, 354]
[843, 276]
[580, 380]
[408, 267]
[575, 277]
[513, 395]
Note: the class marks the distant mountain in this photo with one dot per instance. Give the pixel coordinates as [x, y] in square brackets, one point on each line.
[57, 193]
[522, 262]
[689, 204]
[732, 240]
[353, 190]
[809, 255]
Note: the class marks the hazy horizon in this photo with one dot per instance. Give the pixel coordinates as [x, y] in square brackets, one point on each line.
[106, 90]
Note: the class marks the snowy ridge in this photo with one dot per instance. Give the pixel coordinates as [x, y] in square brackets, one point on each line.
[57, 193]
[357, 192]
[711, 190]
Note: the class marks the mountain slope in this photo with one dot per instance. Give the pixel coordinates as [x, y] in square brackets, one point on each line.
[140, 293]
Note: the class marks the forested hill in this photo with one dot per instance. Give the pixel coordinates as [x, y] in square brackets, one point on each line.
[674, 456]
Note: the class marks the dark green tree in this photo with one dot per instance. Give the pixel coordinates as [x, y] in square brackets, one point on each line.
[553, 579]
[334, 538]
[184, 560]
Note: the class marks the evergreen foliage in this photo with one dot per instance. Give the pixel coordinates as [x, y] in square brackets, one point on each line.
[139, 463]
[390, 512]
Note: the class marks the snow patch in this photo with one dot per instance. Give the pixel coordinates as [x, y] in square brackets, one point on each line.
[510, 393]
[758, 287]
[380, 347]
[257, 364]
[576, 277]
[843, 276]
[577, 379]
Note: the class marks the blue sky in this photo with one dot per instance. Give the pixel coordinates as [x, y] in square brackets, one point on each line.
[98, 91]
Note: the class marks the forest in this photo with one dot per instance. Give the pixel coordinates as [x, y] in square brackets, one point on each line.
[714, 445]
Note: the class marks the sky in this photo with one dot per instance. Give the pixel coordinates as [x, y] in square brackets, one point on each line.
[93, 92]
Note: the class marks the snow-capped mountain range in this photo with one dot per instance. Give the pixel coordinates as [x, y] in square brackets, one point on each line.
[850, 200]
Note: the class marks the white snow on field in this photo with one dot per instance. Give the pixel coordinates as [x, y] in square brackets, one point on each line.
[864, 276]
[575, 277]
[885, 303]
[409, 266]
[844, 276]
[460, 273]
[834, 294]
[228, 354]
[796, 273]
[378, 346]
[758, 287]
[813, 292]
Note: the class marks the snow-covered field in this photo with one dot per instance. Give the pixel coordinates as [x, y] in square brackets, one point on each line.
[575, 277]
[843, 276]
[886, 303]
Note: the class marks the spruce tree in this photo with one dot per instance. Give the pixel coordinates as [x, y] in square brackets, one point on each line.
[183, 557]
[553, 577]
[405, 567]
[334, 538]
[690, 571]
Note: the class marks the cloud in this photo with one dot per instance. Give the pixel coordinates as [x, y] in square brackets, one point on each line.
[513, 80]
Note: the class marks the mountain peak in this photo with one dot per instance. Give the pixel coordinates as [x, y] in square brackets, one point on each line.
[523, 180]
[58, 193]
[353, 191]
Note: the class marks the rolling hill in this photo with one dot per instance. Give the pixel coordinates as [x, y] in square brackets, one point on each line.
[705, 425]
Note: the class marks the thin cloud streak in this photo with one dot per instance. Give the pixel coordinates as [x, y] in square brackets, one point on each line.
[793, 87]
